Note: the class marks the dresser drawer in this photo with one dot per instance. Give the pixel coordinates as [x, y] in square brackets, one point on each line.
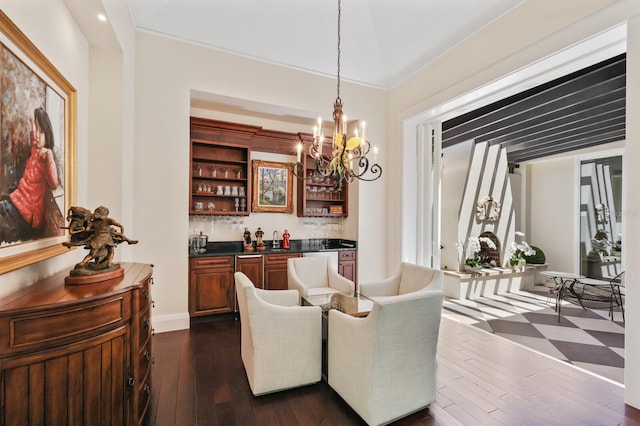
[145, 360]
[144, 397]
[29, 331]
[142, 296]
[144, 328]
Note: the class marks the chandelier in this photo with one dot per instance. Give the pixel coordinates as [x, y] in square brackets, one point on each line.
[345, 153]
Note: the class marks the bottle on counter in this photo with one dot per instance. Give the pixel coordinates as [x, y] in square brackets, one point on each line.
[285, 239]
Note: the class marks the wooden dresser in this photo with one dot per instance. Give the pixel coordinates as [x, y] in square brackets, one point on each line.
[77, 354]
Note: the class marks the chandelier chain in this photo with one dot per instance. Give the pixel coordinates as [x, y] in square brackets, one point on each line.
[339, 31]
[348, 160]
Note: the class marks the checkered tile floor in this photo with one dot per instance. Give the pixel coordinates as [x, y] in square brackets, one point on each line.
[586, 338]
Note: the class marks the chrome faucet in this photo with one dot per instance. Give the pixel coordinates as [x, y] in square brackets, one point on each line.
[276, 241]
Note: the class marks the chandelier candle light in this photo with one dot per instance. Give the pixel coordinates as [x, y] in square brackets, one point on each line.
[345, 152]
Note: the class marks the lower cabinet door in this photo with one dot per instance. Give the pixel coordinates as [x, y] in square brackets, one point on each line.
[83, 384]
[212, 291]
[275, 271]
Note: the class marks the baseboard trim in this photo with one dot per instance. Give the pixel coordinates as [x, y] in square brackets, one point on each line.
[173, 322]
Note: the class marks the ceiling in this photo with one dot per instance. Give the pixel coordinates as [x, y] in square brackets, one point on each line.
[577, 111]
[383, 42]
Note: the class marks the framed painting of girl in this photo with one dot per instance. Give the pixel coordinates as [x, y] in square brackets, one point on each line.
[37, 146]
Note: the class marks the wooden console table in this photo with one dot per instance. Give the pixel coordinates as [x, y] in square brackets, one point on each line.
[77, 354]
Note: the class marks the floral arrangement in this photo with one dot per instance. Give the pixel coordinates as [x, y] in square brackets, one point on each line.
[474, 246]
[518, 250]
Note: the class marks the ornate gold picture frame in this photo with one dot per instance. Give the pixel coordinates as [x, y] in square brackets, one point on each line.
[37, 150]
[272, 187]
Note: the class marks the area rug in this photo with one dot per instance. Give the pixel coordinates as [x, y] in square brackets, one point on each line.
[586, 338]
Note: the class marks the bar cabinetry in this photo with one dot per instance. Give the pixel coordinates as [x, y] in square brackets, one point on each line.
[320, 198]
[252, 265]
[275, 271]
[211, 285]
[219, 183]
[347, 264]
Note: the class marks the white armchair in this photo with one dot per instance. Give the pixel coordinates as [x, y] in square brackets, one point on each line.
[281, 342]
[384, 365]
[408, 279]
[315, 275]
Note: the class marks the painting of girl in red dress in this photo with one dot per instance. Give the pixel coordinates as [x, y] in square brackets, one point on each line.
[31, 174]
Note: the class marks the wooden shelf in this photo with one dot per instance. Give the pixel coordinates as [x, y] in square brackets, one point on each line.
[220, 177]
[320, 199]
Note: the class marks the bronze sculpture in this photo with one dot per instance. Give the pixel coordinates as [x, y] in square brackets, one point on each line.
[98, 233]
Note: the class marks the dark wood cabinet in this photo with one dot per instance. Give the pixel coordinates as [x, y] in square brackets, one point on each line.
[70, 354]
[220, 156]
[347, 264]
[142, 355]
[318, 198]
[275, 270]
[252, 266]
[220, 179]
[211, 285]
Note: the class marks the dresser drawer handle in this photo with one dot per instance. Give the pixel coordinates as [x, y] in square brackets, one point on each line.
[147, 389]
[147, 323]
[153, 303]
[131, 382]
[147, 355]
[145, 294]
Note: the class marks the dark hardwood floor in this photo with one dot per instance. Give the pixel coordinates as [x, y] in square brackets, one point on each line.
[199, 379]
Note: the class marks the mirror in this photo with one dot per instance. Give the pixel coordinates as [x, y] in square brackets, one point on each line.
[600, 217]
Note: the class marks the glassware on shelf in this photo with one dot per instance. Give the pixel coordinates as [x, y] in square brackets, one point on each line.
[234, 191]
[239, 173]
[243, 204]
[210, 206]
[198, 169]
[241, 192]
[225, 171]
[213, 170]
[237, 203]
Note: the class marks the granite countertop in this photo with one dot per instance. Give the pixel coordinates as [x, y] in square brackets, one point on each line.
[232, 248]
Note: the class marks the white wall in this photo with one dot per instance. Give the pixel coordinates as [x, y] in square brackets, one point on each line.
[154, 183]
[500, 50]
[631, 212]
[141, 173]
[495, 52]
[166, 73]
[552, 219]
[455, 167]
[56, 35]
